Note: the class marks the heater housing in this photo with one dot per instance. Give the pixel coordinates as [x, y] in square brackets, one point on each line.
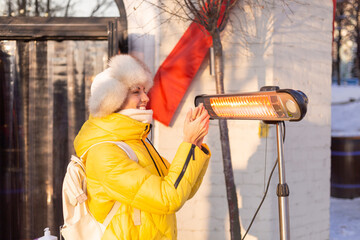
[268, 105]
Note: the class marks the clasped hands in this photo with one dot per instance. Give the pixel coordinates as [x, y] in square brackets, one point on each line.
[196, 125]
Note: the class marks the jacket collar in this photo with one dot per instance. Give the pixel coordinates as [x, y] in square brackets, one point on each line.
[114, 127]
[121, 127]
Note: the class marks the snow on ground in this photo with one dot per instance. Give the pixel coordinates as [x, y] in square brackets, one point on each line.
[345, 111]
[344, 219]
[345, 121]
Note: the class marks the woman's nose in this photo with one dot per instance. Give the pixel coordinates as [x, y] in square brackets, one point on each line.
[144, 97]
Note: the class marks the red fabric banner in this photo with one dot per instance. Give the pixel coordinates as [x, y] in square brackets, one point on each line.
[177, 71]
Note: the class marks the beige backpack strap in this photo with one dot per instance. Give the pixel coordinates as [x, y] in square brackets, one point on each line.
[128, 150]
[137, 217]
[111, 213]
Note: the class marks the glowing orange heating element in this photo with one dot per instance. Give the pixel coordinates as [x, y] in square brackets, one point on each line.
[243, 106]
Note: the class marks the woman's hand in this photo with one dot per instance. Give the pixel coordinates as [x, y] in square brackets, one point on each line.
[196, 125]
[197, 113]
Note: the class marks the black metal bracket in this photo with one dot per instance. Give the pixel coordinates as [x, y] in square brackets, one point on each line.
[282, 190]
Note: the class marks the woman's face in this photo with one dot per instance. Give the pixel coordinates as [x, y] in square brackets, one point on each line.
[137, 98]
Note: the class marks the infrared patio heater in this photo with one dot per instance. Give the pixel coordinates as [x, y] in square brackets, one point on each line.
[273, 106]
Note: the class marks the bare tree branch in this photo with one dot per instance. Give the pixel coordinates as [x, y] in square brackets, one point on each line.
[97, 7]
[67, 8]
[193, 10]
[183, 10]
[106, 7]
[172, 13]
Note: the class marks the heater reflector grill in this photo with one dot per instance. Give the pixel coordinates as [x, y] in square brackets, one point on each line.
[272, 106]
[246, 106]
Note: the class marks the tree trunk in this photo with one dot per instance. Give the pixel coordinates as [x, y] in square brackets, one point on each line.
[9, 8]
[22, 8]
[225, 144]
[338, 59]
[37, 13]
[48, 7]
[357, 36]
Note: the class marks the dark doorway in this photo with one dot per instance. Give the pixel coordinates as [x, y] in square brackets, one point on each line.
[46, 69]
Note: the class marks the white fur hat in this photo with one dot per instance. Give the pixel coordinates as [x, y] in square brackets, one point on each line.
[110, 87]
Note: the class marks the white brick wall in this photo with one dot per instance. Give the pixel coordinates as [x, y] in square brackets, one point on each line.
[273, 44]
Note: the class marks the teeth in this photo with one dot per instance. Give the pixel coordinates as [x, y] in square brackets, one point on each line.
[142, 108]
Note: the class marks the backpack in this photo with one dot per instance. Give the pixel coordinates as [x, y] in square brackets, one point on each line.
[79, 223]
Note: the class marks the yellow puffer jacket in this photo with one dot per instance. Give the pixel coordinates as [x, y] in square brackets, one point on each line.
[152, 185]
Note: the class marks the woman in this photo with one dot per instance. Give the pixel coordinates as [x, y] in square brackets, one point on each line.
[152, 187]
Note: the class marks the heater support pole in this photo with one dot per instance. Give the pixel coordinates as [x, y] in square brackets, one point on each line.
[282, 188]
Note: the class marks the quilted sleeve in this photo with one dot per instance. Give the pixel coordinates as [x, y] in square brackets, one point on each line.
[198, 182]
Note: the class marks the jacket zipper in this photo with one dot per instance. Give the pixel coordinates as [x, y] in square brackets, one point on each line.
[157, 169]
[157, 153]
[181, 175]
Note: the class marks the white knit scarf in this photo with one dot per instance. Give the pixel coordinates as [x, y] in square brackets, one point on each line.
[144, 116]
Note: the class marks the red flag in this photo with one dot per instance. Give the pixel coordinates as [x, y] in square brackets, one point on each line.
[177, 71]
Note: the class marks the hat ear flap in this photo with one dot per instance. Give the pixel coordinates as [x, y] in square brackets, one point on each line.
[105, 100]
